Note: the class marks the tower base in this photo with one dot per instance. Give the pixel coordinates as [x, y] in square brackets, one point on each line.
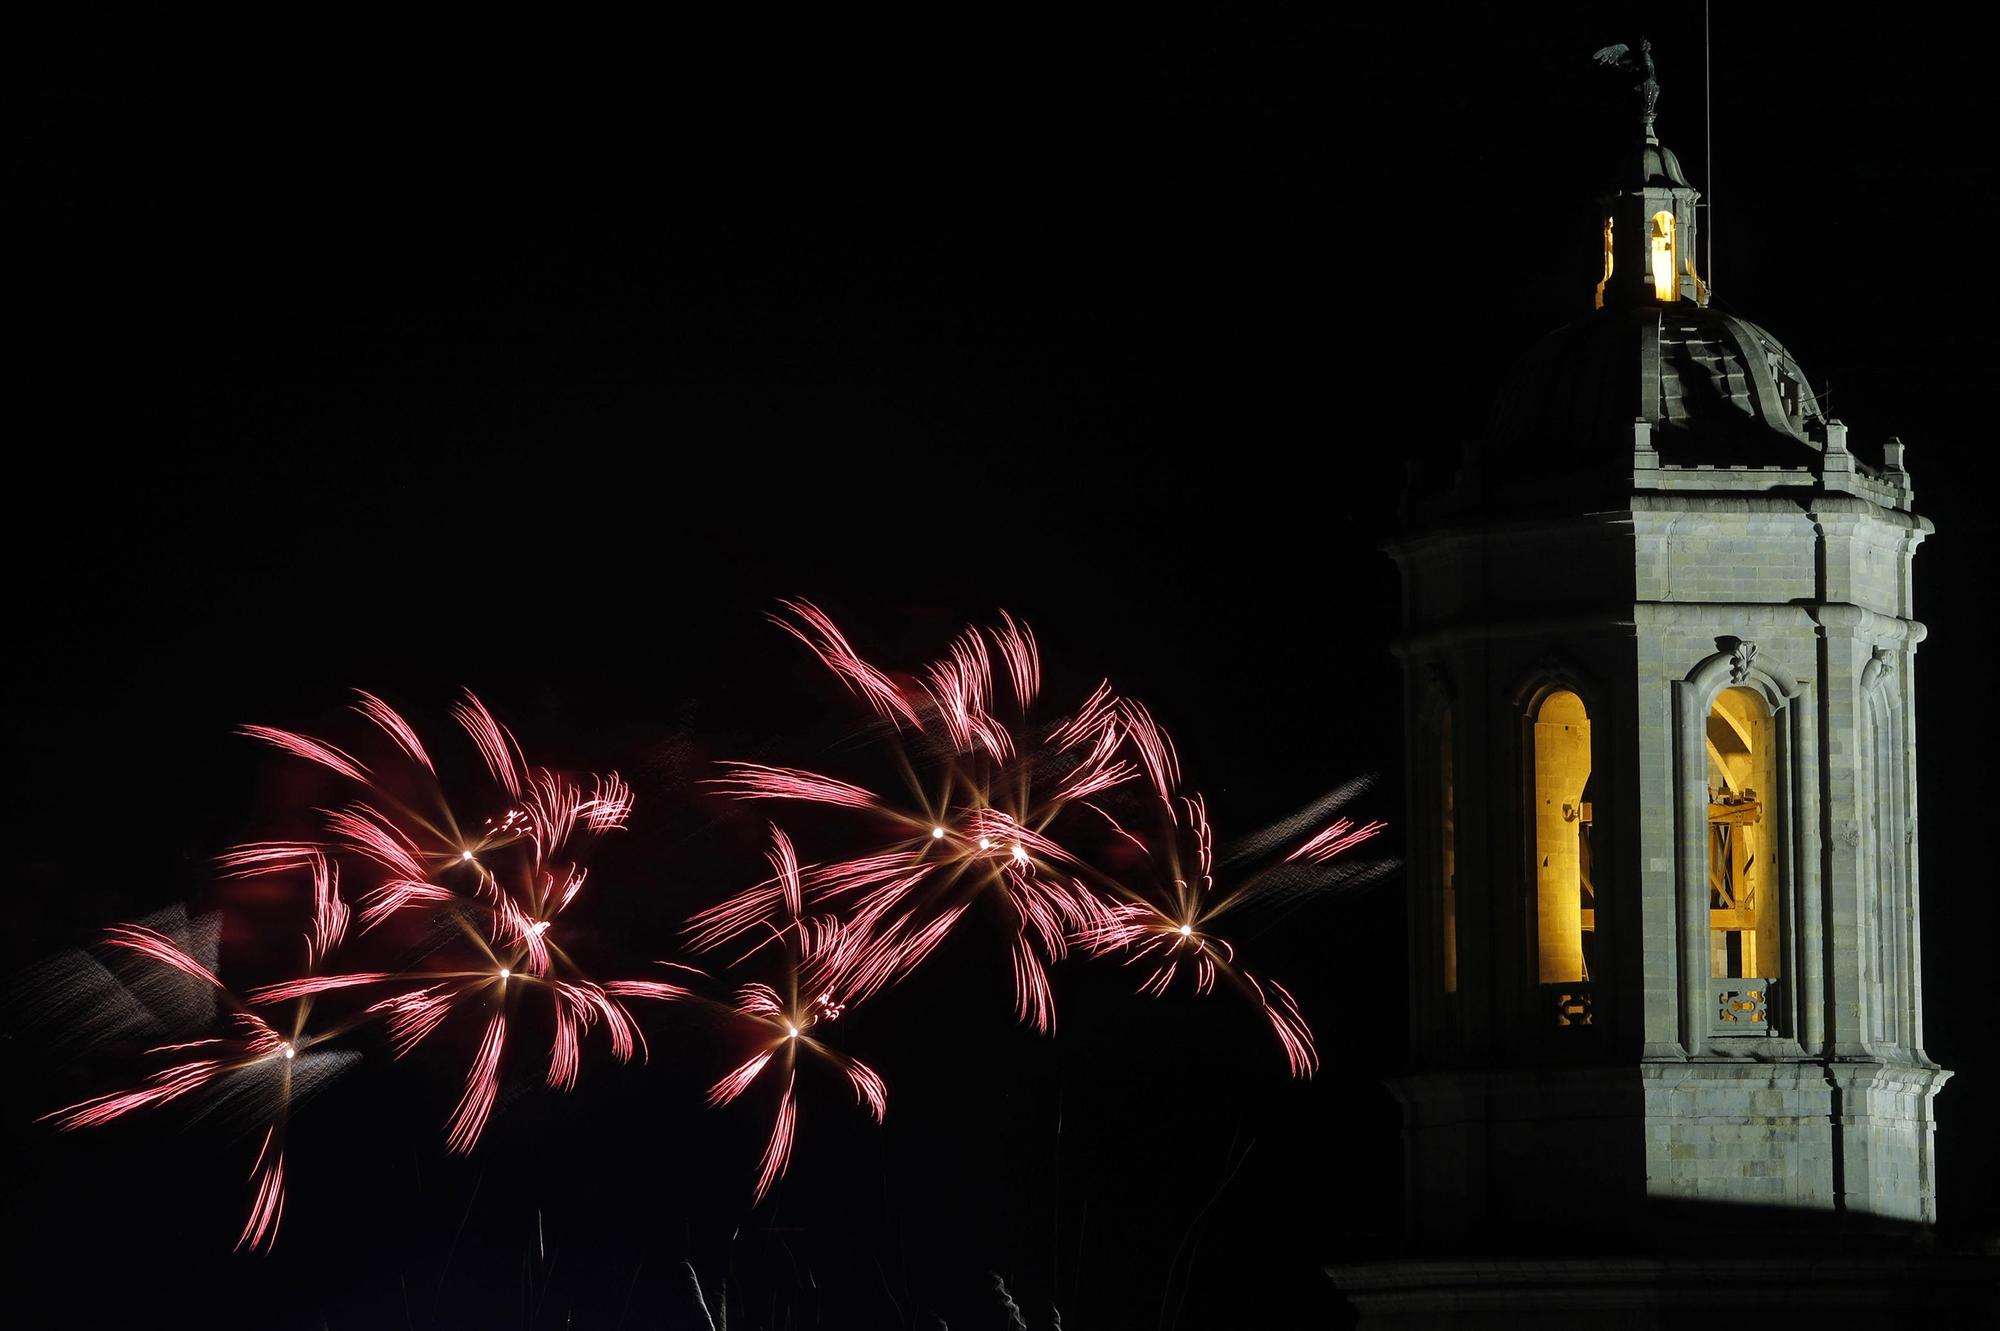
[1642, 1293]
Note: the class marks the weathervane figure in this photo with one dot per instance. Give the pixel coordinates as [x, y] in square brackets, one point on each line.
[1621, 57]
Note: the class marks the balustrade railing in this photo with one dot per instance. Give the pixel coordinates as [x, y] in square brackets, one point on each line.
[1742, 1006]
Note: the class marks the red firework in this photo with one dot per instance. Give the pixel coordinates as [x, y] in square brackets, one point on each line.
[1168, 922]
[980, 814]
[781, 1023]
[251, 1048]
[994, 805]
[501, 882]
[985, 817]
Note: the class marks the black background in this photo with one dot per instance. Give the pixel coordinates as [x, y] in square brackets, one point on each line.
[542, 362]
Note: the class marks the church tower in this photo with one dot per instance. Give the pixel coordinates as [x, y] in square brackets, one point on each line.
[1659, 648]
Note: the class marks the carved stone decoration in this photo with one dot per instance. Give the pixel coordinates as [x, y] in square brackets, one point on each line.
[1741, 658]
[1881, 668]
[1848, 833]
[1573, 1007]
[1747, 1006]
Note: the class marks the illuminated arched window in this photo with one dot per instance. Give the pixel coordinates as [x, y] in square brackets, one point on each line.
[1742, 859]
[1661, 244]
[1565, 901]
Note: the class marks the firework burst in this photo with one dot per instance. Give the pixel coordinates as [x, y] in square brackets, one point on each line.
[781, 1022]
[438, 907]
[1166, 920]
[985, 794]
[271, 1064]
[497, 885]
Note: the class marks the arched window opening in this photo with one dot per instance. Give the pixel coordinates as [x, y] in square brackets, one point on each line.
[1666, 279]
[1566, 901]
[1742, 895]
[1448, 854]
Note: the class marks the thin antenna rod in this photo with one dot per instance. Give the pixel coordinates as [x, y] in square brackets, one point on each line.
[1708, 133]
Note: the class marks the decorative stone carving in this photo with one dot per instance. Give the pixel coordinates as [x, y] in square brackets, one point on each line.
[1574, 1006]
[1741, 658]
[1848, 833]
[1746, 1006]
[1881, 668]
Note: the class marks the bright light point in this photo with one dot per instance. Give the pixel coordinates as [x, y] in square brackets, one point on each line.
[792, 1032]
[1187, 931]
[289, 1051]
[465, 858]
[986, 843]
[1020, 855]
[937, 834]
[504, 972]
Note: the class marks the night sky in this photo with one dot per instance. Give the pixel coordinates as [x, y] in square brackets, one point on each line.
[542, 363]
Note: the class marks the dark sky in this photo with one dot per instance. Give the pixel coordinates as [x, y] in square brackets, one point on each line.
[542, 363]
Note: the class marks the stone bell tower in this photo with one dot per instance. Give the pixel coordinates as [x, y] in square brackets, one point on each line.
[1659, 640]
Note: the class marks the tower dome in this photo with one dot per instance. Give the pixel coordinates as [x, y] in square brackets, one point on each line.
[1657, 166]
[1714, 387]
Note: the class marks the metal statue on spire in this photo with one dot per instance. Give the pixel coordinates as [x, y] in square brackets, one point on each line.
[1621, 57]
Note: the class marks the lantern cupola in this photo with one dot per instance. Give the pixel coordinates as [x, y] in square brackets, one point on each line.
[1649, 210]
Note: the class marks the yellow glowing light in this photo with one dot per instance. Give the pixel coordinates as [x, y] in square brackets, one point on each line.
[1562, 830]
[1187, 931]
[1665, 284]
[289, 1051]
[937, 834]
[986, 843]
[791, 1032]
[504, 972]
[1605, 281]
[465, 858]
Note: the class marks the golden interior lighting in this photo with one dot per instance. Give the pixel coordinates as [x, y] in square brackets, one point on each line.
[1666, 283]
[1565, 900]
[1742, 912]
[1605, 280]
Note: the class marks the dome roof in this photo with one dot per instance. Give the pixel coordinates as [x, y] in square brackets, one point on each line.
[1656, 165]
[1716, 388]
